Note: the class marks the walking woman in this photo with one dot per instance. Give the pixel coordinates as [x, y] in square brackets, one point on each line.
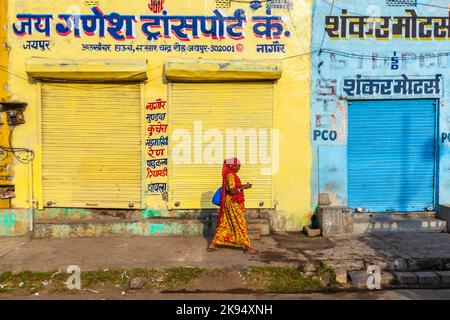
[231, 224]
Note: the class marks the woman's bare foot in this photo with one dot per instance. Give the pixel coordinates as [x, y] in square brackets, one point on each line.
[250, 251]
[212, 248]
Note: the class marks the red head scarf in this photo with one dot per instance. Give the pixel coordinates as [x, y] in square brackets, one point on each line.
[229, 167]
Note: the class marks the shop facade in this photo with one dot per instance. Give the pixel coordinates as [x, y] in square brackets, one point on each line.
[380, 116]
[134, 108]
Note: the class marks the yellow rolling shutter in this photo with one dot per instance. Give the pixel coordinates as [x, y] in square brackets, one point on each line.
[218, 106]
[91, 142]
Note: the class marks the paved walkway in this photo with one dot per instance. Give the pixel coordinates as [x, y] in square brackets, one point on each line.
[399, 251]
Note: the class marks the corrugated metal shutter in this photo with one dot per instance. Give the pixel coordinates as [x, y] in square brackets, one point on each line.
[91, 141]
[391, 155]
[219, 106]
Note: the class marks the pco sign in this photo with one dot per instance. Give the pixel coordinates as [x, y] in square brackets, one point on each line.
[325, 135]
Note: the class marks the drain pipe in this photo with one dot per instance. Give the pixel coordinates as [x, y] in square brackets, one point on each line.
[31, 195]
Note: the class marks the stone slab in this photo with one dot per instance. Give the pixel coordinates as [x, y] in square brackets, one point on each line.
[312, 232]
[341, 276]
[406, 278]
[358, 278]
[444, 277]
[428, 278]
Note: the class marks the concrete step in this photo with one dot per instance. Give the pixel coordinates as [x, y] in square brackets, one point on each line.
[258, 213]
[254, 236]
[136, 227]
[263, 225]
[404, 280]
[397, 215]
[74, 214]
[121, 227]
[253, 231]
[396, 223]
[79, 214]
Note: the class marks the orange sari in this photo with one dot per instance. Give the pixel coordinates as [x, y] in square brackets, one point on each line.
[232, 226]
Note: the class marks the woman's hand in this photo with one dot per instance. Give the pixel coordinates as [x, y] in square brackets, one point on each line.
[247, 186]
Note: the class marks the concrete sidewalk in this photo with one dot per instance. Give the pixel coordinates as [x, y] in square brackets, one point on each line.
[395, 252]
[18, 254]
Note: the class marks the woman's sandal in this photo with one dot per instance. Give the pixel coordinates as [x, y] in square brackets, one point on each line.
[209, 249]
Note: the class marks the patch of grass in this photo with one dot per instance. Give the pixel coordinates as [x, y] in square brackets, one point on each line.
[325, 269]
[280, 280]
[92, 278]
[31, 281]
[218, 272]
[174, 276]
[264, 279]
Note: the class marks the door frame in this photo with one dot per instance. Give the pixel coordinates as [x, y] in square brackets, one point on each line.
[38, 177]
[436, 144]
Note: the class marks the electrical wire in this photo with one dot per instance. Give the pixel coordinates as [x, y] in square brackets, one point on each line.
[432, 5]
[16, 151]
[326, 82]
[345, 54]
[324, 34]
[360, 14]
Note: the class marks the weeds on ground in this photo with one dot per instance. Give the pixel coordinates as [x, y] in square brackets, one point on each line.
[262, 279]
[280, 280]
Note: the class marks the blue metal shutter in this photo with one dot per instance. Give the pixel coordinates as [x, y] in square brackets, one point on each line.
[391, 155]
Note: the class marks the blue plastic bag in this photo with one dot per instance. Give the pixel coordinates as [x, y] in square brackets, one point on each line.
[217, 196]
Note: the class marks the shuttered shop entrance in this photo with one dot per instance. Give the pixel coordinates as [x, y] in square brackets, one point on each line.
[218, 107]
[392, 155]
[91, 143]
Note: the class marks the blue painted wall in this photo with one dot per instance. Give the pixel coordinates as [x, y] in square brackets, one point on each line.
[337, 61]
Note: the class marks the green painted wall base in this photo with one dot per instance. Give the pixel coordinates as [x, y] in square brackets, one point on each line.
[67, 223]
[14, 222]
[156, 227]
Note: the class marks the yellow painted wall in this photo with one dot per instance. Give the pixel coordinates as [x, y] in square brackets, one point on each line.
[292, 92]
[6, 162]
[3, 51]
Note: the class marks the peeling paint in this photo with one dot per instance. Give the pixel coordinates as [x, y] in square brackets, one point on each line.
[152, 213]
[13, 222]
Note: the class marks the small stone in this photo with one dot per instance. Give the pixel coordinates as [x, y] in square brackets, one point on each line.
[308, 266]
[359, 278]
[428, 278]
[382, 264]
[312, 232]
[324, 199]
[444, 276]
[406, 278]
[21, 284]
[341, 276]
[413, 266]
[398, 265]
[137, 283]
[349, 265]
